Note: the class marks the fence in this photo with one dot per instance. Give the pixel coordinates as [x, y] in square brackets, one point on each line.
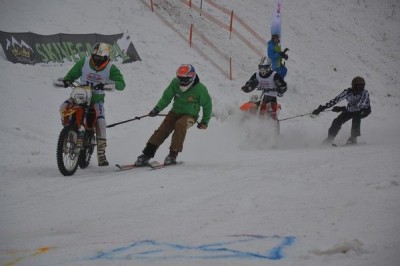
[224, 65]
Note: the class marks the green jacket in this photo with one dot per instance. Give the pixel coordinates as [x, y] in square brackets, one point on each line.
[189, 101]
[115, 75]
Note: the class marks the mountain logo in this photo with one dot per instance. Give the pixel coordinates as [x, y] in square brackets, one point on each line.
[21, 50]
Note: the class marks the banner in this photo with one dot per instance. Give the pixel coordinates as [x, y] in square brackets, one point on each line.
[276, 20]
[31, 48]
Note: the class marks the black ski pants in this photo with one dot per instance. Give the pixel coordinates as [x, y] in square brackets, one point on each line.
[343, 118]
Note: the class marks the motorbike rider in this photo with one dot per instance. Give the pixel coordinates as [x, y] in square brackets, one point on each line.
[96, 71]
[270, 83]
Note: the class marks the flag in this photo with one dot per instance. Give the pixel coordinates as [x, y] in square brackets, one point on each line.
[276, 20]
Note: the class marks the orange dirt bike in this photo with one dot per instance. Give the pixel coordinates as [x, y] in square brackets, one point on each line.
[257, 107]
[77, 140]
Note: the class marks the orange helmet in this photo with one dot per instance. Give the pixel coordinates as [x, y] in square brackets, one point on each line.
[186, 75]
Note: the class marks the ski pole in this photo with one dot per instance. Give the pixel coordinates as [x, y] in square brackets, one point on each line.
[299, 116]
[129, 120]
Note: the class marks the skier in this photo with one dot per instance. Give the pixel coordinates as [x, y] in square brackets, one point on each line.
[275, 54]
[358, 107]
[270, 83]
[102, 75]
[189, 95]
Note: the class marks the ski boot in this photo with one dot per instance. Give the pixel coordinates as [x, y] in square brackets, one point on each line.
[142, 160]
[351, 140]
[171, 158]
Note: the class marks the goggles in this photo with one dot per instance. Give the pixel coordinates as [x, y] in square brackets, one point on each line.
[358, 87]
[263, 70]
[184, 81]
[98, 59]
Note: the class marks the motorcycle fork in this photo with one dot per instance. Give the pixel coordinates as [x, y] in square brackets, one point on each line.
[81, 129]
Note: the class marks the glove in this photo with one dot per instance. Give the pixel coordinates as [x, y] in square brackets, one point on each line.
[250, 85]
[286, 50]
[98, 87]
[318, 110]
[281, 87]
[284, 55]
[154, 112]
[365, 112]
[60, 82]
[281, 90]
[246, 89]
[104, 87]
[201, 125]
[109, 87]
[338, 109]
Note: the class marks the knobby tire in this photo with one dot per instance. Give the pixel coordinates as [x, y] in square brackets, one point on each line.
[69, 166]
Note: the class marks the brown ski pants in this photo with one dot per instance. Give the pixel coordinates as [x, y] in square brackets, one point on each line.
[176, 123]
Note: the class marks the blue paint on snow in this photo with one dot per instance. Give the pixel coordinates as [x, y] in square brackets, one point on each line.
[236, 249]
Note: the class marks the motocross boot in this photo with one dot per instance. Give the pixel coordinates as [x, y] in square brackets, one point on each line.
[101, 152]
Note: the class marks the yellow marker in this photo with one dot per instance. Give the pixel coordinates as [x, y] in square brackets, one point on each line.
[38, 251]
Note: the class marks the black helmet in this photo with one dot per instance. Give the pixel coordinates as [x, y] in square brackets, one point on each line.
[357, 84]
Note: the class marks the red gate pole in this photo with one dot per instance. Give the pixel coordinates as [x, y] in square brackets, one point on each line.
[230, 68]
[190, 35]
[231, 26]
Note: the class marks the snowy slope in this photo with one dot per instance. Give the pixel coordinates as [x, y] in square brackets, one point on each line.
[242, 197]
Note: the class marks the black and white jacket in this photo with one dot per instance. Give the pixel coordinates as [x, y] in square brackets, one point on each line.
[356, 102]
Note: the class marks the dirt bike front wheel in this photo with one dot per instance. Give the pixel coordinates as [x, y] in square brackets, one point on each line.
[87, 151]
[67, 158]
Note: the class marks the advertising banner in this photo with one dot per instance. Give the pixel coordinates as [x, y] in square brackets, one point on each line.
[31, 48]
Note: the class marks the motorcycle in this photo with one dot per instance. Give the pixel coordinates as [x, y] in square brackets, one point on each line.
[257, 107]
[77, 140]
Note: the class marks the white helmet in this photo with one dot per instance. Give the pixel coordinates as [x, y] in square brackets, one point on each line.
[265, 66]
[100, 55]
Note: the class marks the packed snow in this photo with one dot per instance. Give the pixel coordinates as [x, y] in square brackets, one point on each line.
[242, 196]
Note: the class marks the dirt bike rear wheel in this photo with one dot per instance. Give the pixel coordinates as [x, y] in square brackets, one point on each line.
[67, 159]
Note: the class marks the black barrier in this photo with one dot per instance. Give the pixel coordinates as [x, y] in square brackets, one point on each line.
[32, 48]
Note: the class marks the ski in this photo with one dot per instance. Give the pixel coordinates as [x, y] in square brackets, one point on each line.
[154, 165]
[124, 167]
[157, 165]
[347, 145]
